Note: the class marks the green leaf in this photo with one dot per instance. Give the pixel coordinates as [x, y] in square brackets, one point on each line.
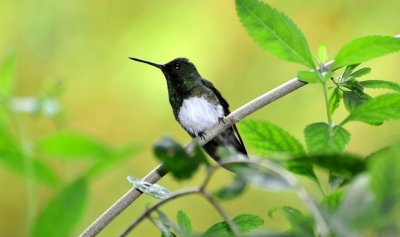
[309, 77]
[322, 54]
[115, 158]
[175, 159]
[361, 72]
[384, 167]
[268, 139]
[7, 76]
[301, 226]
[69, 145]
[332, 200]
[63, 212]
[244, 222]
[364, 49]
[184, 223]
[379, 84]
[165, 224]
[341, 165]
[334, 100]
[322, 138]
[232, 190]
[16, 162]
[348, 71]
[300, 167]
[274, 32]
[353, 85]
[352, 100]
[377, 110]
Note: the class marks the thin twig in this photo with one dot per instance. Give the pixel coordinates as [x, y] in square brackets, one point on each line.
[200, 190]
[221, 211]
[157, 205]
[159, 171]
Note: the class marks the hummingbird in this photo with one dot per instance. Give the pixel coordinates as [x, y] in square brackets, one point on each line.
[197, 105]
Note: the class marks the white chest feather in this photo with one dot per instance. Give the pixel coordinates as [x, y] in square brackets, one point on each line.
[197, 114]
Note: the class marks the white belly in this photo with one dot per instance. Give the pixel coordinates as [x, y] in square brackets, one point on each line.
[197, 114]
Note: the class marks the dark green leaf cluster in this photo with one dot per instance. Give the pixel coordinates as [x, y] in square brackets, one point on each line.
[177, 160]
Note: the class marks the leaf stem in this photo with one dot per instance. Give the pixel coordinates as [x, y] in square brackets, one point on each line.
[27, 155]
[326, 99]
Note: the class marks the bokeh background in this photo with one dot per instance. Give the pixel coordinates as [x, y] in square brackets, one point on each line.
[85, 45]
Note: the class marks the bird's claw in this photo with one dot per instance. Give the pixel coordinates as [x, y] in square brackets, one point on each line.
[221, 120]
[202, 135]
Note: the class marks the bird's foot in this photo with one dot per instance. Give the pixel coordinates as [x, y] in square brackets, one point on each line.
[202, 135]
[221, 120]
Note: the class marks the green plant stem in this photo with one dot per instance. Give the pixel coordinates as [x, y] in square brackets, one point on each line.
[27, 154]
[326, 99]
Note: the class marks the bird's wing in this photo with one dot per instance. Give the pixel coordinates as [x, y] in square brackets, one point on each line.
[221, 99]
[240, 147]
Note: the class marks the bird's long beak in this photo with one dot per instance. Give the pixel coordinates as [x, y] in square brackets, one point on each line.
[160, 66]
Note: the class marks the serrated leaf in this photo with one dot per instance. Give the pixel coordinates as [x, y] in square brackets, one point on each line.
[175, 159]
[7, 76]
[184, 223]
[380, 84]
[377, 110]
[361, 72]
[309, 77]
[274, 31]
[244, 222]
[231, 190]
[352, 100]
[65, 210]
[321, 138]
[364, 49]
[334, 100]
[268, 139]
[70, 145]
[15, 161]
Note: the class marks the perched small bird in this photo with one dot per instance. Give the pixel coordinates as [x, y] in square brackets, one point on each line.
[197, 104]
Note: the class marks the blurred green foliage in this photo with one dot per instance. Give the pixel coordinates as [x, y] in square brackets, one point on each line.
[85, 46]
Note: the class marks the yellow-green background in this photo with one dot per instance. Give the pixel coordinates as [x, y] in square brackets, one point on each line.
[86, 44]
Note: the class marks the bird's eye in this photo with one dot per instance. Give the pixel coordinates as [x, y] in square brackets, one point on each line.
[177, 66]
